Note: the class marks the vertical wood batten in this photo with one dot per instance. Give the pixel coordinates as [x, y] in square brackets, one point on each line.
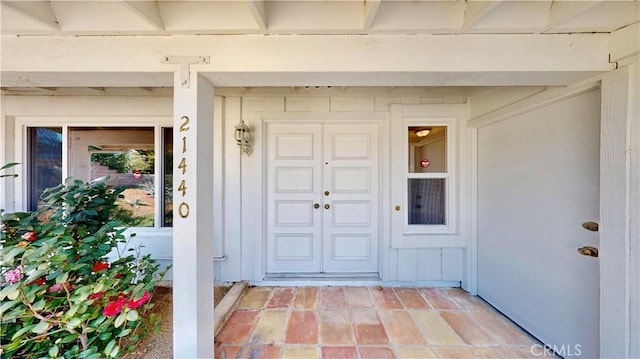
[634, 213]
[231, 268]
[193, 335]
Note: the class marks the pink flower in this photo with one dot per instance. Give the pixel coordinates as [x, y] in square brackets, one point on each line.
[29, 236]
[56, 288]
[98, 266]
[114, 308]
[134, 304]
[14, 276]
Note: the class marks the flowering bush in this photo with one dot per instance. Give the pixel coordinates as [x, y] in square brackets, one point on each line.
[60, 297]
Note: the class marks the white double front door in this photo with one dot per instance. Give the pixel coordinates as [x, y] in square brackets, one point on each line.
[322, 198]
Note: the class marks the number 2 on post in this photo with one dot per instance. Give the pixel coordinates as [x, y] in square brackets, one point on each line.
[184, 127]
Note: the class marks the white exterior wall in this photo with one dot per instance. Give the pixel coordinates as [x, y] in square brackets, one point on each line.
[237, 241]
[243, 238]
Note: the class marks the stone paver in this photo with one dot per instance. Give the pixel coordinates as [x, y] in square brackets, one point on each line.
[411, 298]
[281, 298]
[435, 329]
[270, 327]
[255, 298]
[303, 328]
[468, 329]
[439, 299]
[368, 323]
[306, 298]
[368, 328]
[300, 352]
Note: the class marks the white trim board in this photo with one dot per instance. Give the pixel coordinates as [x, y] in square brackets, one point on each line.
[455, 116]
[532, 103]
[350, 283]
[615, 182]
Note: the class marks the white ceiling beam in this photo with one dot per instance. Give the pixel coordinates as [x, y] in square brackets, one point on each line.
[39, 11]
[257, 8]
[625, 43]
[475, 11]
[563, 11]
[369, 13]
[374, 60]
[149, 11]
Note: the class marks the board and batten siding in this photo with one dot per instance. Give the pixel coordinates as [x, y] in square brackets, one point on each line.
[236, 215]
[243, 212]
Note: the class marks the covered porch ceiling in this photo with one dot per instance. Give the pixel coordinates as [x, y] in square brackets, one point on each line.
[294, 17]
[120, 43]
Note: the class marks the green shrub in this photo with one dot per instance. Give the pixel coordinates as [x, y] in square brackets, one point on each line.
[60, 296]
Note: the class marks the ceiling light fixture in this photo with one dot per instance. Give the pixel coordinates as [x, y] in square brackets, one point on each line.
[423, 133]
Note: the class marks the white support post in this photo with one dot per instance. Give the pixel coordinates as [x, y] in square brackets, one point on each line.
[193, 218]
[619, 220]
[634, 212]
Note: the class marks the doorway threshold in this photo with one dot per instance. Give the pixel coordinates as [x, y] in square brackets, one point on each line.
[350, 277]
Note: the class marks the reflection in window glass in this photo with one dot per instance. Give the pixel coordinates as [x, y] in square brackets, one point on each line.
[125, 155]
[45, 162]
[427, 149]
[427, 201]
[167, 213]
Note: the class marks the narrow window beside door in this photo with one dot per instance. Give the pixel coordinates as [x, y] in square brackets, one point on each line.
[427, 175]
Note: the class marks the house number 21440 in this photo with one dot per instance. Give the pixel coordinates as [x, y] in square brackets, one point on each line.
[183, 208]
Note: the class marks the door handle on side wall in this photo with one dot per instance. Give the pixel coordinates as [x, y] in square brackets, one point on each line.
[590, 226]
[327, 206]
[588, 251]
[316, 206]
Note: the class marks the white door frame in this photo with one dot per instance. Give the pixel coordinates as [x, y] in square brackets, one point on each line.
[619, 182]
[379, 118]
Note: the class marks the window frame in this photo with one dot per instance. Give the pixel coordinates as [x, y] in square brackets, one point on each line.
[449, 176]
[453, 234]
[22, 124]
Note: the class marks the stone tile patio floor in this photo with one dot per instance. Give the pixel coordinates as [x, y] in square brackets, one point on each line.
[368, 322]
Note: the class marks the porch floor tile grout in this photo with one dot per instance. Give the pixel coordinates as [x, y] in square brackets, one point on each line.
[475, 329]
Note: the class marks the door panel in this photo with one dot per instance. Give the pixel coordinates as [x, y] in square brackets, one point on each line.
[294, 213]
[293, 246]
[351, 179]
[538, 181]
[333, 167]
[294, 179]
[351, 214]
[294, 176]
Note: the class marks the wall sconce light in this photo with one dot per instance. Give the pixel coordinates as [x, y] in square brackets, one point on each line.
[243, 137]
[423, 133]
